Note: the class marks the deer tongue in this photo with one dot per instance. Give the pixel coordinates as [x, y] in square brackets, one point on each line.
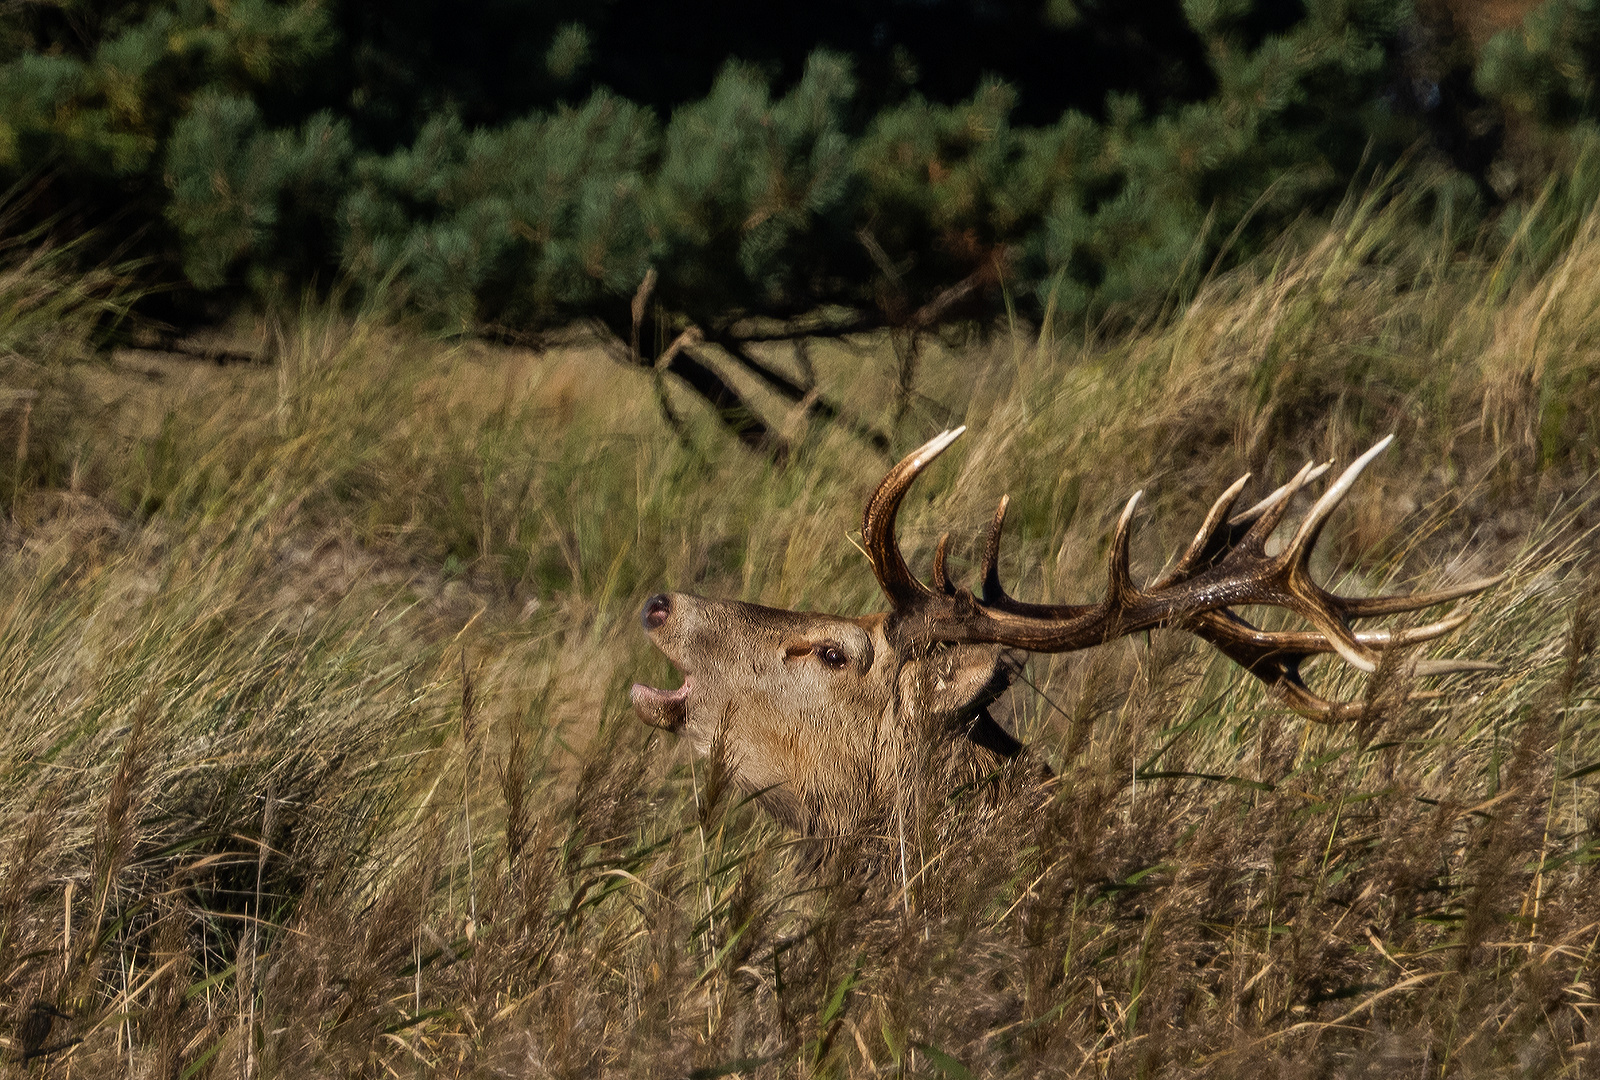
[664, 709]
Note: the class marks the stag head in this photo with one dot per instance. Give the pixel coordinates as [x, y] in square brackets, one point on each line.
[824, 715]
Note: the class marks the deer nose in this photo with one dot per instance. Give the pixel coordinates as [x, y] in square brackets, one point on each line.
[656, 610]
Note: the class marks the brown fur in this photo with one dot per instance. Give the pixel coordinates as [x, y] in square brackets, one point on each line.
[834, 750]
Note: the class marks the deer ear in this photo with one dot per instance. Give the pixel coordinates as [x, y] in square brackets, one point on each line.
[954, 679]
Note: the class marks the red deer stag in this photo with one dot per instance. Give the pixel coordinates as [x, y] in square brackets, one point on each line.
[823, 715]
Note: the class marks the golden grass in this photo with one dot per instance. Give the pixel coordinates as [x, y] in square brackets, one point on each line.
[317, 759]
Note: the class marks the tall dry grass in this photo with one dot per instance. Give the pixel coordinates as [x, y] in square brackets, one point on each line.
[317, 759]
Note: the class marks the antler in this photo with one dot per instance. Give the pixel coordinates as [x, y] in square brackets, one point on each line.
[1225, 565]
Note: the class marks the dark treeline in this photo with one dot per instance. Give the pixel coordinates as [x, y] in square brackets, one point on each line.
[388, 66]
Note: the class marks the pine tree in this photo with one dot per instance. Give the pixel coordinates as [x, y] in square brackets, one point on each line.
[504, 196]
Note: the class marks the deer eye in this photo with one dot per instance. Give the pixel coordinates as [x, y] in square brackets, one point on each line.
[831, 655]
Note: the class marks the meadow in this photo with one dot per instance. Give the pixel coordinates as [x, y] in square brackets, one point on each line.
[316, 758]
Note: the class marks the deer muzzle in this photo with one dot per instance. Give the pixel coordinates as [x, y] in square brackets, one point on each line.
[665, 709]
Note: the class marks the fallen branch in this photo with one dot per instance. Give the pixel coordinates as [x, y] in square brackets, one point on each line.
[810, 398]
[732, 411]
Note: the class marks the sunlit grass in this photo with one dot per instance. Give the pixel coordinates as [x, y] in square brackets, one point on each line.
[317, 758]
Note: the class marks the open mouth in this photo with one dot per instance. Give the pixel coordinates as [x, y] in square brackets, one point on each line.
[665, 709]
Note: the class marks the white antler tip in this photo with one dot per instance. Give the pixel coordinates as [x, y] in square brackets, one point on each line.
[936, 446]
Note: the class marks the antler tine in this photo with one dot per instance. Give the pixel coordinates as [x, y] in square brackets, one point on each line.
[1341, 638]
[1330, 612]
[1415, 635]
[1275, 656]
[1366, 607]
[1120, 590]
[877, 526]
[1451, 667]
[1274, 661]
[995, 598]
[1269, 512]
[1323, 609]
[941, 580]
[993, 591]
[1208, 540]
[1245, 517]
[1311, 642]
[1305, 538]
[1310, 599]
[1294, 693]
[1220, 534]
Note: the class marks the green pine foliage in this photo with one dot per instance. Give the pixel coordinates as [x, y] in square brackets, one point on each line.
[942, 186]
[751, 203]
[238, 188]
[510, 224]
[1543, 77]
[754, 199]
[1547, 69]
[213, 128]
[100, 90]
